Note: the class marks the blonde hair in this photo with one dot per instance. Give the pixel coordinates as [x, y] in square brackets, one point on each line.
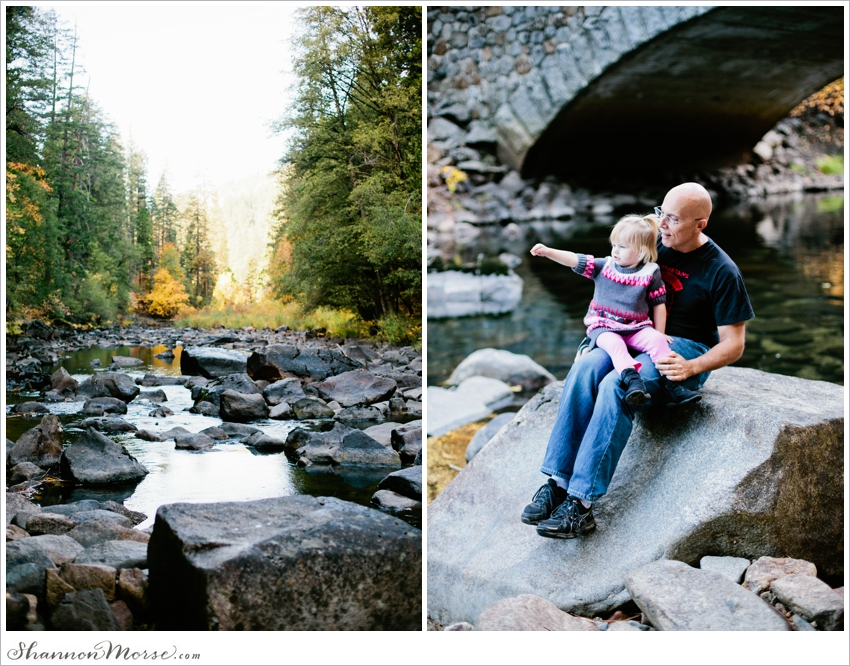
[639, 232]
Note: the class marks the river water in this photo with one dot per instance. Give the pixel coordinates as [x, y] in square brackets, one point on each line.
[790, 250]
[228, 472]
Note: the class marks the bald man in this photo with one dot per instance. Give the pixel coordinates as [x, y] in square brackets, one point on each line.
[707, 305]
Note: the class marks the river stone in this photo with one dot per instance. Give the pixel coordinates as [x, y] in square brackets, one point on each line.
[94, 459]
[108, 424]
[154, 396]
[60, 548]
[101, 406]
[127, 361]
[211, 392]
[406, 482]
[119, 554]
[488, 432]
[458, 294]
[87, 576]
[24, 472]
[172, 433]
[382, 433]
[93, 532]
[133, 589]
[55, 588]
[387, 500]
[109, 384]
[214, 432]
[193, 442]
[101, 514]
[340, 446]
[751, 470]
[407, 440]
[159, 380]
[513, 369]
[528, 612]
[446, 411]
[30, 408]
[281, 411]
[276, 362]
[239, 430]
[148, 436]
[358, 387]
[211, 362]
[71, 508]
[311, 408]
[731, 567]
[53, 396]
[86, 610]
[355, 416]
[811, 598]
[492, 392]
[27, 577]
[218, 566]
[263, 442]
[284, 390]
[161, 412]
[135, 517]
[49, 523]
[40, 446]
[761, 573]
[242, 407]
[13, 532]
[676, 597]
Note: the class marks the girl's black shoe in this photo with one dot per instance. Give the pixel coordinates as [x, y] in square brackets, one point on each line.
[634, 387]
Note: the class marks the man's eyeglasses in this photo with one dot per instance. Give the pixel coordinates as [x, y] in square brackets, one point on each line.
[672, 220]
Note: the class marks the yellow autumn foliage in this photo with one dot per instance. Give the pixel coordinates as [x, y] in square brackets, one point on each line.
[168, 296]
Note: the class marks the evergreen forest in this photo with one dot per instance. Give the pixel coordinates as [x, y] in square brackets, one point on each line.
[93, 239]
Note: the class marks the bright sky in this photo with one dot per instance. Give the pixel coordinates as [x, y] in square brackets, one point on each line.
[195, 85]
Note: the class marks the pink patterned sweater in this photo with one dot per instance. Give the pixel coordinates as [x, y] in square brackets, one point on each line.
[623, 297]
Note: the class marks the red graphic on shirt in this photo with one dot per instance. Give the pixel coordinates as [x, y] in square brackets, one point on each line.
[671, 276]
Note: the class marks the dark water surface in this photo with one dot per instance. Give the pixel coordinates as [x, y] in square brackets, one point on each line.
[790, 250]
[228, 472]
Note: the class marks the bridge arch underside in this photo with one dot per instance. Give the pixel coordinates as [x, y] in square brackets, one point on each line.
[699, 96]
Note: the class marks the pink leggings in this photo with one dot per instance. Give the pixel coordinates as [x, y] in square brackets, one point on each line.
[646, 340]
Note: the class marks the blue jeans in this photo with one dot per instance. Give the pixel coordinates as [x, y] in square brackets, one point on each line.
[595, 421]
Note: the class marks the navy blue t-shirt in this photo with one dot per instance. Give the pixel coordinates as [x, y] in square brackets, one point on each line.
[705, 290]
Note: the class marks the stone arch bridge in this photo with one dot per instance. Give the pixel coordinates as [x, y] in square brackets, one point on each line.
[624, 89]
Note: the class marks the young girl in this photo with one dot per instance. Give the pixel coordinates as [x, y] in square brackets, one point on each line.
[628, 286]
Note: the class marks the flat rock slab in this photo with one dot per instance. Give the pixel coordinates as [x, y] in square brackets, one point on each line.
[211, 362]
[94, 459]
[812, 599]
[446, 411]
[760, 574]
[488, 432]
[288, 563]
[492, 392]
[109, 384]
[86, 610]
[734, 474]
[121, 554]
[528, 612]
[676, 597]
[731, 567]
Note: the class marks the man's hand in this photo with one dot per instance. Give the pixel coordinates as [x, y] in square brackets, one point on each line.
[675, 367]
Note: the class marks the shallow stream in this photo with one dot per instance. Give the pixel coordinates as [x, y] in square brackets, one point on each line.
[230, 471]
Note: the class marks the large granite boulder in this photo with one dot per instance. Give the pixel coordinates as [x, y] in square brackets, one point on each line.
[104, 405]
[211, 362]
[109, 385]
[287, 563]
[358, 387]
[756, 468]
[276, 362]
[94, 459]
[284, 390]
[513, 369]
[40, 446]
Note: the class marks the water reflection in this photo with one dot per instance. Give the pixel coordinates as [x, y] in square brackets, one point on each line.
[790, 250]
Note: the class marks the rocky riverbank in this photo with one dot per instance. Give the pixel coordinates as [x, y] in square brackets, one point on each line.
[356, 410]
